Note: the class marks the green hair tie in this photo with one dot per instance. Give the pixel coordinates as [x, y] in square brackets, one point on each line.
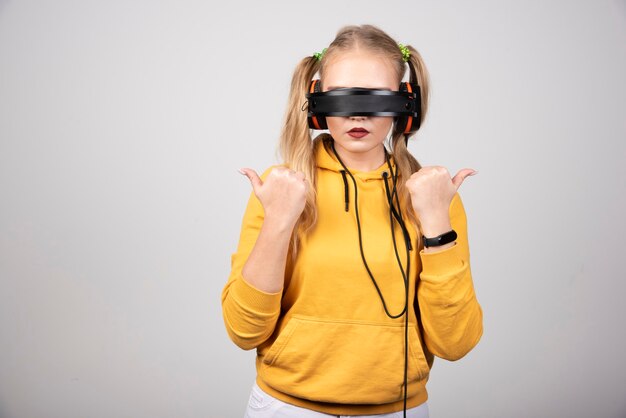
[405, 52]
[319, 55]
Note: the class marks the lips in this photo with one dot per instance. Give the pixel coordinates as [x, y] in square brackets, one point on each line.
[358, 132]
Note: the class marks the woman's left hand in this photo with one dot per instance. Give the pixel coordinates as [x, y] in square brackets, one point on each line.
[432, 190]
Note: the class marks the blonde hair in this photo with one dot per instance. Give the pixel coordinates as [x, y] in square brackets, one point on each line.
[296, 145]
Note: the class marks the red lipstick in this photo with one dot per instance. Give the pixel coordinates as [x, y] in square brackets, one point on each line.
[358, 132]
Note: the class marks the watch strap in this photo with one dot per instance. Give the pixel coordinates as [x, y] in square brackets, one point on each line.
[440, 239]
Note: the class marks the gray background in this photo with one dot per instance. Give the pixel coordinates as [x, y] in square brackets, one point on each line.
[122, 125]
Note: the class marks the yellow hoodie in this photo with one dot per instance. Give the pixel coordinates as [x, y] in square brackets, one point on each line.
[325, 342]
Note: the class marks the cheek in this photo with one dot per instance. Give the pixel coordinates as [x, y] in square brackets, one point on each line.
[333, 122]
[383, 123]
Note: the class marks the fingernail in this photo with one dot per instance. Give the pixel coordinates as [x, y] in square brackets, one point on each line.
[240, 171]
[473, 173]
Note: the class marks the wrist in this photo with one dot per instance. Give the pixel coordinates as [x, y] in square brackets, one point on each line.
[438, 248]
[277, 223]
[440, 242]
[434, 226]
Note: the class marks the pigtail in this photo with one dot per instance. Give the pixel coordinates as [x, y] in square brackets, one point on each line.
[296, 145]
[406, 163]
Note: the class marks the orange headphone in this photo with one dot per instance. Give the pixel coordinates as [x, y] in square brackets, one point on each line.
[404, 105]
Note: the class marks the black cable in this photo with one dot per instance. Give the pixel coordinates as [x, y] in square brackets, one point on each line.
[394, 176]
[406, 288]
[358, 222]
[407, 241]
[394, 193]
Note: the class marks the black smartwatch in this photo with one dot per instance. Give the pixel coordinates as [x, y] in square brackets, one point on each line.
[440, 240]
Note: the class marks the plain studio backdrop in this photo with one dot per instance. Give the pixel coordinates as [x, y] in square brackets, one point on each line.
[123, 124]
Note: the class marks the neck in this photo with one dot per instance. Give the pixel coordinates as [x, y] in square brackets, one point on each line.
[362, 161]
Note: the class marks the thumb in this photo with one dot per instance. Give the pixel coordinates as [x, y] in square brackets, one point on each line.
[457, 180]
[254, 178]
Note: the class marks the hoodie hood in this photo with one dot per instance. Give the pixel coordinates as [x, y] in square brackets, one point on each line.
[376, 179]
[325, 159]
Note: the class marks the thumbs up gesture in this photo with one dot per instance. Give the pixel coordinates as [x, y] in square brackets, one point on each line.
[432, 190]
[282, 194]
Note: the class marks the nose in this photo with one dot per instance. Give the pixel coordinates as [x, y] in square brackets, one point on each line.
[357, 117]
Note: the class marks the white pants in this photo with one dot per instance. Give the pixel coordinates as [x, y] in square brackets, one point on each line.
[262, 405]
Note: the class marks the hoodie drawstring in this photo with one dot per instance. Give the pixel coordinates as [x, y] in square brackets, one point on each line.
[396, 213]
[346, 191]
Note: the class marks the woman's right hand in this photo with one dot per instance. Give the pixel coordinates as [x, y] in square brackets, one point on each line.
[282, 194]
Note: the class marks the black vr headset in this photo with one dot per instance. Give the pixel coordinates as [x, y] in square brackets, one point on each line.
[404, 105]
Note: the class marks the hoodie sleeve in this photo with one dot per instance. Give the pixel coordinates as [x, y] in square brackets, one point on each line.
[250, 314]
[451, 315]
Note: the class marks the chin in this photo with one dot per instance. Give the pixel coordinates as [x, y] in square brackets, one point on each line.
[358, 144]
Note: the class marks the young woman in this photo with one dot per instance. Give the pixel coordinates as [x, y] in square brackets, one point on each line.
[332, 282]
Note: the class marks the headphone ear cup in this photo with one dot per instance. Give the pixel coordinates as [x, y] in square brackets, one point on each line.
[317, 86]
[401, 121]
[315, 121]
[409, 124]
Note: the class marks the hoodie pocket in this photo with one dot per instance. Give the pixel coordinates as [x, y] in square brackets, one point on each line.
[343, 361]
